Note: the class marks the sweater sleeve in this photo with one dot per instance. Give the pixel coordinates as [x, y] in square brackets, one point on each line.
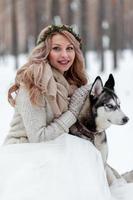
[34, 120]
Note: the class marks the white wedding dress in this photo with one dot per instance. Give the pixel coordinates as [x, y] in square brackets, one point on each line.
[67, 168]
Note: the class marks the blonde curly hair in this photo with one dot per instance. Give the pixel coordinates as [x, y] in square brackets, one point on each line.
[32, 72]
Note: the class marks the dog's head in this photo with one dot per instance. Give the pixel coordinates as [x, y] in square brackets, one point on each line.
[105, 104]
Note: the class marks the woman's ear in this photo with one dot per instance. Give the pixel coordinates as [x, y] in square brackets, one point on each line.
[97, 87]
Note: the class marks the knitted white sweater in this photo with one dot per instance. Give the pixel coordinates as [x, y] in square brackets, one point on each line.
[36, 124]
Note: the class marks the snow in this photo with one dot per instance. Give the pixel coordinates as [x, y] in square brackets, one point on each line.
[120, 138]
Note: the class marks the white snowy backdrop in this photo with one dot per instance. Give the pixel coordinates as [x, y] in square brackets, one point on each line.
[120, 138]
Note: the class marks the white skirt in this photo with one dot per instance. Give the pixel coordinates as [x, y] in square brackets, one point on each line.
[67, 168]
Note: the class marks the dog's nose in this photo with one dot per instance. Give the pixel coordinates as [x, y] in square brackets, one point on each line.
[125, 120]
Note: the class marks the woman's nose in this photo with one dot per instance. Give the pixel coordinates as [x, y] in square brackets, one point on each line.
[64, 53]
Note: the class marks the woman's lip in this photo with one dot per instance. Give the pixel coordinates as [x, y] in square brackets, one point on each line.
[63, 61]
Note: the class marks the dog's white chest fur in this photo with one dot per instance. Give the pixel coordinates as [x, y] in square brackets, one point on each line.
[100, 142]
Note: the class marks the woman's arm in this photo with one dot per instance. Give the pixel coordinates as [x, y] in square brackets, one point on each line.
[34, 119]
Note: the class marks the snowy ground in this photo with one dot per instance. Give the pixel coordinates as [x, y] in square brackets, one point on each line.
[120, 138]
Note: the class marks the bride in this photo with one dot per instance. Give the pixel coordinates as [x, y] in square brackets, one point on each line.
[39, 159]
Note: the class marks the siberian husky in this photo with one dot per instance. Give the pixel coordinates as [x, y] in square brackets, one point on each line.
[100, 110]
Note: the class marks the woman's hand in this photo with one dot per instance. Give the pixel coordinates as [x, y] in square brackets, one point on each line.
[78, 98]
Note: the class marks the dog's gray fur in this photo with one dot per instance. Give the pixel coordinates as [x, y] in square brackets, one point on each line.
[100, 110]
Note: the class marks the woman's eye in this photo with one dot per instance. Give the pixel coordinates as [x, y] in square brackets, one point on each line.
[56, 48]
[70, 48]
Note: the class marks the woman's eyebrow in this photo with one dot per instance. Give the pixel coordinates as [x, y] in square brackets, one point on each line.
[61, 44]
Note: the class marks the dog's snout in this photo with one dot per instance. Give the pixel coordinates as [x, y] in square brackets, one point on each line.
[125, 120]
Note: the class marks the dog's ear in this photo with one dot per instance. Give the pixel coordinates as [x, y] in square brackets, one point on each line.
[97, 87]
[110, 83]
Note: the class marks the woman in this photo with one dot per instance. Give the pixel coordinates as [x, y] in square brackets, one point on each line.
[50, 91]
[44, 86]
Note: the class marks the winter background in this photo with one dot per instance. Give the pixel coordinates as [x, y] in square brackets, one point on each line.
[120, 138]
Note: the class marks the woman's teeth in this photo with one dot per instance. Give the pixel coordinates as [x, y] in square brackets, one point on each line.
[63, 62]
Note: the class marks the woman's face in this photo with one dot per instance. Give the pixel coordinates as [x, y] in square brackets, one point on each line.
[62, 53]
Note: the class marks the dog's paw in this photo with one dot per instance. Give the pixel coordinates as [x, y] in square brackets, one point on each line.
[128, 176]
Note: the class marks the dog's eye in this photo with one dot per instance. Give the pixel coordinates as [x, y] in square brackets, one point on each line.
[110, 106]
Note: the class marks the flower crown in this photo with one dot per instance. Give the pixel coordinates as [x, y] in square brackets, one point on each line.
[59, 29]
